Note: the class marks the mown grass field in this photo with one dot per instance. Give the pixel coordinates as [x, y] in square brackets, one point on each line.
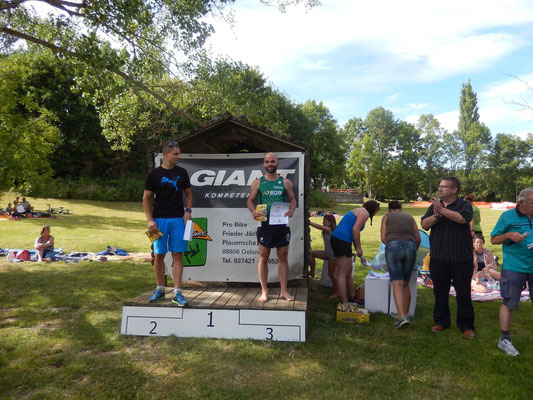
[60, 333]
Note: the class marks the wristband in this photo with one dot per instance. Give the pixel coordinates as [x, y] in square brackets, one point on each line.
[189, 210]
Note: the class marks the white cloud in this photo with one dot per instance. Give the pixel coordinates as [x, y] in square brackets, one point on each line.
[498, 108]
[448, 120]
[416, 40]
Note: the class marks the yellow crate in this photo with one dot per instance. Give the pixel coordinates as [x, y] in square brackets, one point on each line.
[353, 317]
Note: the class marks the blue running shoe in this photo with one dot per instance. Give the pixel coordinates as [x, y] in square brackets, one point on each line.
[158, 296]
[179, 300]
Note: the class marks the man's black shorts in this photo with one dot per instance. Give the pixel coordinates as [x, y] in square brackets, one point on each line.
[340, 247]
[274, 236]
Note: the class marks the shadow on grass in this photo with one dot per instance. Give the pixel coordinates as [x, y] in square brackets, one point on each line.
[60, 339]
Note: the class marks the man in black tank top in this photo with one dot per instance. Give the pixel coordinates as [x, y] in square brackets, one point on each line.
[269, 236]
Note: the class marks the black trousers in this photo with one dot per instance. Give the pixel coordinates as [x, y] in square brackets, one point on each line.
[442, 273]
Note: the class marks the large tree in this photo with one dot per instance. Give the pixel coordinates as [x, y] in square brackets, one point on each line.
[511, 166]
[134, 39]
[473, 135]
[28, 131]
[325, 144]
[431, 146]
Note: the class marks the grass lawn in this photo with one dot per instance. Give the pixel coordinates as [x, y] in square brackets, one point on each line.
[60, 333]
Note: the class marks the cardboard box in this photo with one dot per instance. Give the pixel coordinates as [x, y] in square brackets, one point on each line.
[377, 292]
[358, 317]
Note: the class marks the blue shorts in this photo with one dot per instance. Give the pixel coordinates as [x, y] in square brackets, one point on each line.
[511, 285]
[172, 239]
[401, 259]
[51, 254]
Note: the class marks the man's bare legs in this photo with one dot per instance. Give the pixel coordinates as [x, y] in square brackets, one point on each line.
[177, 269]
[506, 315]
[159, 269]
[283, 271]
[262, 271]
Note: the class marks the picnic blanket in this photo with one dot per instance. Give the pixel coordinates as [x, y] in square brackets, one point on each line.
[75, 256]
[492, 293]
[25, 216]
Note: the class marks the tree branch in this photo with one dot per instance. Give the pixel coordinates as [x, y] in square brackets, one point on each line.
[6, 5]
[117, 71]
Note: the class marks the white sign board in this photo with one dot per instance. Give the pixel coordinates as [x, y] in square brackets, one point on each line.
[224, 246]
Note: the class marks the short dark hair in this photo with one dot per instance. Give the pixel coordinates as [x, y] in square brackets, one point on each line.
[455, 182]
[372, 206]
[170, 145]
[395, 205]
[479, 236]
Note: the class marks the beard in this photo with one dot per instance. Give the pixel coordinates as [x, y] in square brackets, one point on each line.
[271, 169]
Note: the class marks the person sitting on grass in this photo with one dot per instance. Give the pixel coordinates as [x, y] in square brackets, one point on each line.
[8, 210]
[27, 206]
[485, 266]
[45, 246]
[328, 226]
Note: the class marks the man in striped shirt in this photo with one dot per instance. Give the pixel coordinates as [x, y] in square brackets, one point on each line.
[451, 255]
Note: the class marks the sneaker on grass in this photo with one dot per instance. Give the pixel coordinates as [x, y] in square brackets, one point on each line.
[507, 347]
[179, 300]
[402, 321]
[158, 296]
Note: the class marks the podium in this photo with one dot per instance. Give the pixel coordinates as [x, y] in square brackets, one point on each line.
[220, 312]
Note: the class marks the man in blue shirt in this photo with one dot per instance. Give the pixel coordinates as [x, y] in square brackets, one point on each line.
[514, 231]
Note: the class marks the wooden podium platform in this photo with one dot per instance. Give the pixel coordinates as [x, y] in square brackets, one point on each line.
[223, 312]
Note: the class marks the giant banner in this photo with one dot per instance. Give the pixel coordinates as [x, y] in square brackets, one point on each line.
[224, 246]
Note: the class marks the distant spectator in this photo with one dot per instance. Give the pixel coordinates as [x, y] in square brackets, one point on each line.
[16, 202]
[485, 266]
[26, 204]
[9, 209]
[475, 224]
[45, 245]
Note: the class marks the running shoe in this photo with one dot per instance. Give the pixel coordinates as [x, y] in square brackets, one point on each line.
[507, 347]
[158, 296]
[179, 300]
[401, 321]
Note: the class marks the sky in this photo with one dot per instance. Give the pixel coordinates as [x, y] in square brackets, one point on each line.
[410, 57]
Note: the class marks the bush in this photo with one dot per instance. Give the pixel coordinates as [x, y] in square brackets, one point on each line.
[320, 200]
[128, 189]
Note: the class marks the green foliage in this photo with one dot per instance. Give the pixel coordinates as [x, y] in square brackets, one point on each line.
[125, 189]
[27, 129]
[222, 85]
[317, 199]
[510, 166]
[384, 155]
[431, 154]
[474, 137]
[325, 144]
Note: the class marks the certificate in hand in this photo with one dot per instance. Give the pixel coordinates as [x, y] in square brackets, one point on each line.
[277, 213]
